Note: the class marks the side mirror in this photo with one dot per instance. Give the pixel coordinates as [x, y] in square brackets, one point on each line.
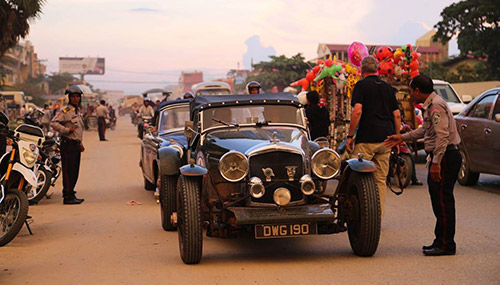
[466, 99]
[188, 130]
[497, 117]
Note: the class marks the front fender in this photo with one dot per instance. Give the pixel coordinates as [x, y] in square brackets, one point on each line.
[361, 165]
[193, 170]
[28, 175]
[170, 160]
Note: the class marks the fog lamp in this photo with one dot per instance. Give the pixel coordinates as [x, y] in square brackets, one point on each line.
[307, 185]
[282, 196]
[257, 189]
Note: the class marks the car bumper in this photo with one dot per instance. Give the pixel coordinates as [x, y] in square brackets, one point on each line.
[306, 213]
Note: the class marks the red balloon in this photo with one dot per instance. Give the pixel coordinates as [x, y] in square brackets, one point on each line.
[414, 64]
[414, 73]
[386, 68]
[328, 62]
[316, 69]
[415, 55]
[383, 53]
[310, 76]
[320, 62]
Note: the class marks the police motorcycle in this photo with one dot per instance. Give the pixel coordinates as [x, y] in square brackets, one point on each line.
[47, 169]
[16, 174]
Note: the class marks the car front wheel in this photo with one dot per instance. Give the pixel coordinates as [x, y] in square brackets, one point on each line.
[363, 222]
[465, 176]
[189, 219]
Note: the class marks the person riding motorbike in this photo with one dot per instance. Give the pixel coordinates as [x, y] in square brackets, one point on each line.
[144, 111]
[253, 87]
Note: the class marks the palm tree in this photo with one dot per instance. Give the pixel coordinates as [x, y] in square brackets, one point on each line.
[15, 16]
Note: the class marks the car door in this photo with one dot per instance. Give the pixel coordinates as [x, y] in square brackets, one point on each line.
[473, 132]
[492, 140]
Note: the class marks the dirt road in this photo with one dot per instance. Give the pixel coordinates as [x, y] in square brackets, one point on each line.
[104, 241]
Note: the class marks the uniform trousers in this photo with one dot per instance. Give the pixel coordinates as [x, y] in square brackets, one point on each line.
[101, 127]
[443, 201]
[70, 159]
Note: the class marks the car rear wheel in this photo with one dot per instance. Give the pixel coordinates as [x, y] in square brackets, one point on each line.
[465, 176]
[363, 222]
[189, 219]
[168, 192]
[148, 185]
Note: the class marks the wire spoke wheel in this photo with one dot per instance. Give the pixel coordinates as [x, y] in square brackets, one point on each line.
[13, 213]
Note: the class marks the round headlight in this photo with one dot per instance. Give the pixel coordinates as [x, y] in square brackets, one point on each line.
[325, 163]
[307, 185]
[282, 196]
[257, 189]
[233, 166]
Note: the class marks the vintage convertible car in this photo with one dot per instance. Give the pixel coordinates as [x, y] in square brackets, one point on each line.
[251, 166]
[163, 152]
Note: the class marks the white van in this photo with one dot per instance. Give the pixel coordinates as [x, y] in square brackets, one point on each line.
[446, 91]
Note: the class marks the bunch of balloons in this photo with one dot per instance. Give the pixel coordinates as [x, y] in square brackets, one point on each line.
[400, 62]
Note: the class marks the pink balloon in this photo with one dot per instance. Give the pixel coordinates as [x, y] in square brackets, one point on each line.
[357, 51]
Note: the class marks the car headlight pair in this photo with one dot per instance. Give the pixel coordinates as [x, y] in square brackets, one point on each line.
[325, 163]
[233, 166]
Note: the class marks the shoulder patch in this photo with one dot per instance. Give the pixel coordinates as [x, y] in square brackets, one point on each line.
[436, 118]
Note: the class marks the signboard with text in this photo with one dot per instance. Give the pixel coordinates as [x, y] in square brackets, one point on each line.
[82, 65]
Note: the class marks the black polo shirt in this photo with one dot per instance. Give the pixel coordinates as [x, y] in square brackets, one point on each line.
[379, 101]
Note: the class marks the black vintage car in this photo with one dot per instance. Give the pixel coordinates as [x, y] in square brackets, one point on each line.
[163, 152]
[253, 167]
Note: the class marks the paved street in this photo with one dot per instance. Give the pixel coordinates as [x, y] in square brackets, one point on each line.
[104, 241]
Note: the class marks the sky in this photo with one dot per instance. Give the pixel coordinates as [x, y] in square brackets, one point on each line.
[147, 43]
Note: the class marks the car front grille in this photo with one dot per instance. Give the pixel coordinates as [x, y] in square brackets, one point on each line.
[278, 162]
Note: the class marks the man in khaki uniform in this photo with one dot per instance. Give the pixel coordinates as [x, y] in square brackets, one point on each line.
[69, 123]
[102, 113]
[441, 141]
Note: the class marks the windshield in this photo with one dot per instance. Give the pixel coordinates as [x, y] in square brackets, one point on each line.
[445, 91]
[222, 91]
[173, 118]
[263, 114]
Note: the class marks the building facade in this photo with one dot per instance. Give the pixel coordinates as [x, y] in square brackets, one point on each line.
[21, 63]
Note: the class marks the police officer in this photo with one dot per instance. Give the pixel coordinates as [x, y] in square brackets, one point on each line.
[69, 123]
[102, 113]
[441, 141]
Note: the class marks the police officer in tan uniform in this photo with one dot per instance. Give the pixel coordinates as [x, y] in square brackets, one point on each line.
[441, 141]
[69, 123]
[102, 113]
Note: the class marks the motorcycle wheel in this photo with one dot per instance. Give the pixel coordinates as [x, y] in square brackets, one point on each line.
[13, 213]
[405, 172]
[44, 178]
[363, 222]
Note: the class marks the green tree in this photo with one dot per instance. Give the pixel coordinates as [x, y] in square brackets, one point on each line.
[476, 22]
[58, 81]
[280, 71]
[15, 16]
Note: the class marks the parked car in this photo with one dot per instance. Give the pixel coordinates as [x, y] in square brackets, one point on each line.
[479, 128]
[446, 91]
[252, 167]
[163, 152]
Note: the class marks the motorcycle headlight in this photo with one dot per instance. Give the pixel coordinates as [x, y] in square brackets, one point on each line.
[325, 163]
[29, 156]
[233, 166]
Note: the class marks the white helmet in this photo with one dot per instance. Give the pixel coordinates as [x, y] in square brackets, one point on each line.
[302, 97]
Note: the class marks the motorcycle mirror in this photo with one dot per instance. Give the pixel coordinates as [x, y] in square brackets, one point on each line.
[49, 135]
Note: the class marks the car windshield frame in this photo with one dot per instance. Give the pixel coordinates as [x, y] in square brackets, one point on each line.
[170, 108]
[203, 118]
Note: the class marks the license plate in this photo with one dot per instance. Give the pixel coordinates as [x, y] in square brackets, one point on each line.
[285, 230]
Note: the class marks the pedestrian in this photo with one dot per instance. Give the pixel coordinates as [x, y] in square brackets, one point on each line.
[441, 141]
[102, 113]
[317, 116]
[46, 118]
[69, 123]
[376, 115]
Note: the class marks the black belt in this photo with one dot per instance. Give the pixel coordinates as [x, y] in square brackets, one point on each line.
[67, 140]
[448, 147]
